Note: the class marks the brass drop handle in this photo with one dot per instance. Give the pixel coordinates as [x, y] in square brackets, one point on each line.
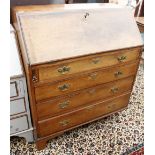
[111, 106]
[64, 87]
[118, 73]
[64, 123]
[64, 104]
[114, 89]
[64, 69]
[121, 58]
[93, 76]
[96, 60]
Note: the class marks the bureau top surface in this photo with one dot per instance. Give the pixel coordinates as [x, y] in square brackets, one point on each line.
[56, 32]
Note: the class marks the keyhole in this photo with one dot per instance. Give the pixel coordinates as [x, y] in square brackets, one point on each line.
[87, 14]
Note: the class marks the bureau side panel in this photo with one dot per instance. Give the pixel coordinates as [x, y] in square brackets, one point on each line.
[27, 69]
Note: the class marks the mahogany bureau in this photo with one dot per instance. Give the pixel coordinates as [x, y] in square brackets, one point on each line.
[80, 60]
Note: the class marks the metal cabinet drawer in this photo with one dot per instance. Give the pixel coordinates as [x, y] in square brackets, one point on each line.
[18, 124]
[17, 106]
[17, 88]
[13, 89]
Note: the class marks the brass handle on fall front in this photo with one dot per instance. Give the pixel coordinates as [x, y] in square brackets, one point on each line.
[96, 60]
[93, 76]
[63, 87]
[114, 90]
[64, 69]
[121, 58]
[64, 123]
[118, 73]
[64, 104]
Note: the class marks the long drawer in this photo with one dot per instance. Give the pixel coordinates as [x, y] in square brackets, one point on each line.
[80, 116]
[84, 81]
[65, 68]
[70, 102]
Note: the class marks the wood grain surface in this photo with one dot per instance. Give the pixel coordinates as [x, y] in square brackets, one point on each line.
[80, 116]
[85, 81]
[55, 35]
[66, 103]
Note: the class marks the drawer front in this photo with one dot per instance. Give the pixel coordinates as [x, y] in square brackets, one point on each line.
[85, 81]
[17, 106]
[84, 115]
[13, 89]
[18, 124]
[16, 88]
[65, 68]
[68, 103]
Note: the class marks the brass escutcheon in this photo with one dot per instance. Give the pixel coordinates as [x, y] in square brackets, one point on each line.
[93, 76]
[96, 60]
[114, 89]
[64, 123]
[121, 58]
[118, 73]
[64, 87]
[64, 104]
[64, 69]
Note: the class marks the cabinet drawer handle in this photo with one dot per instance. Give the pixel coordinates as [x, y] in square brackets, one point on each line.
[64, 123]
[64, 87]
[114, 89]
[93, 76]
[64, 104]
[121, 58]
[96, 60]
[64, 69]
[118, 73]
[111, 106]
